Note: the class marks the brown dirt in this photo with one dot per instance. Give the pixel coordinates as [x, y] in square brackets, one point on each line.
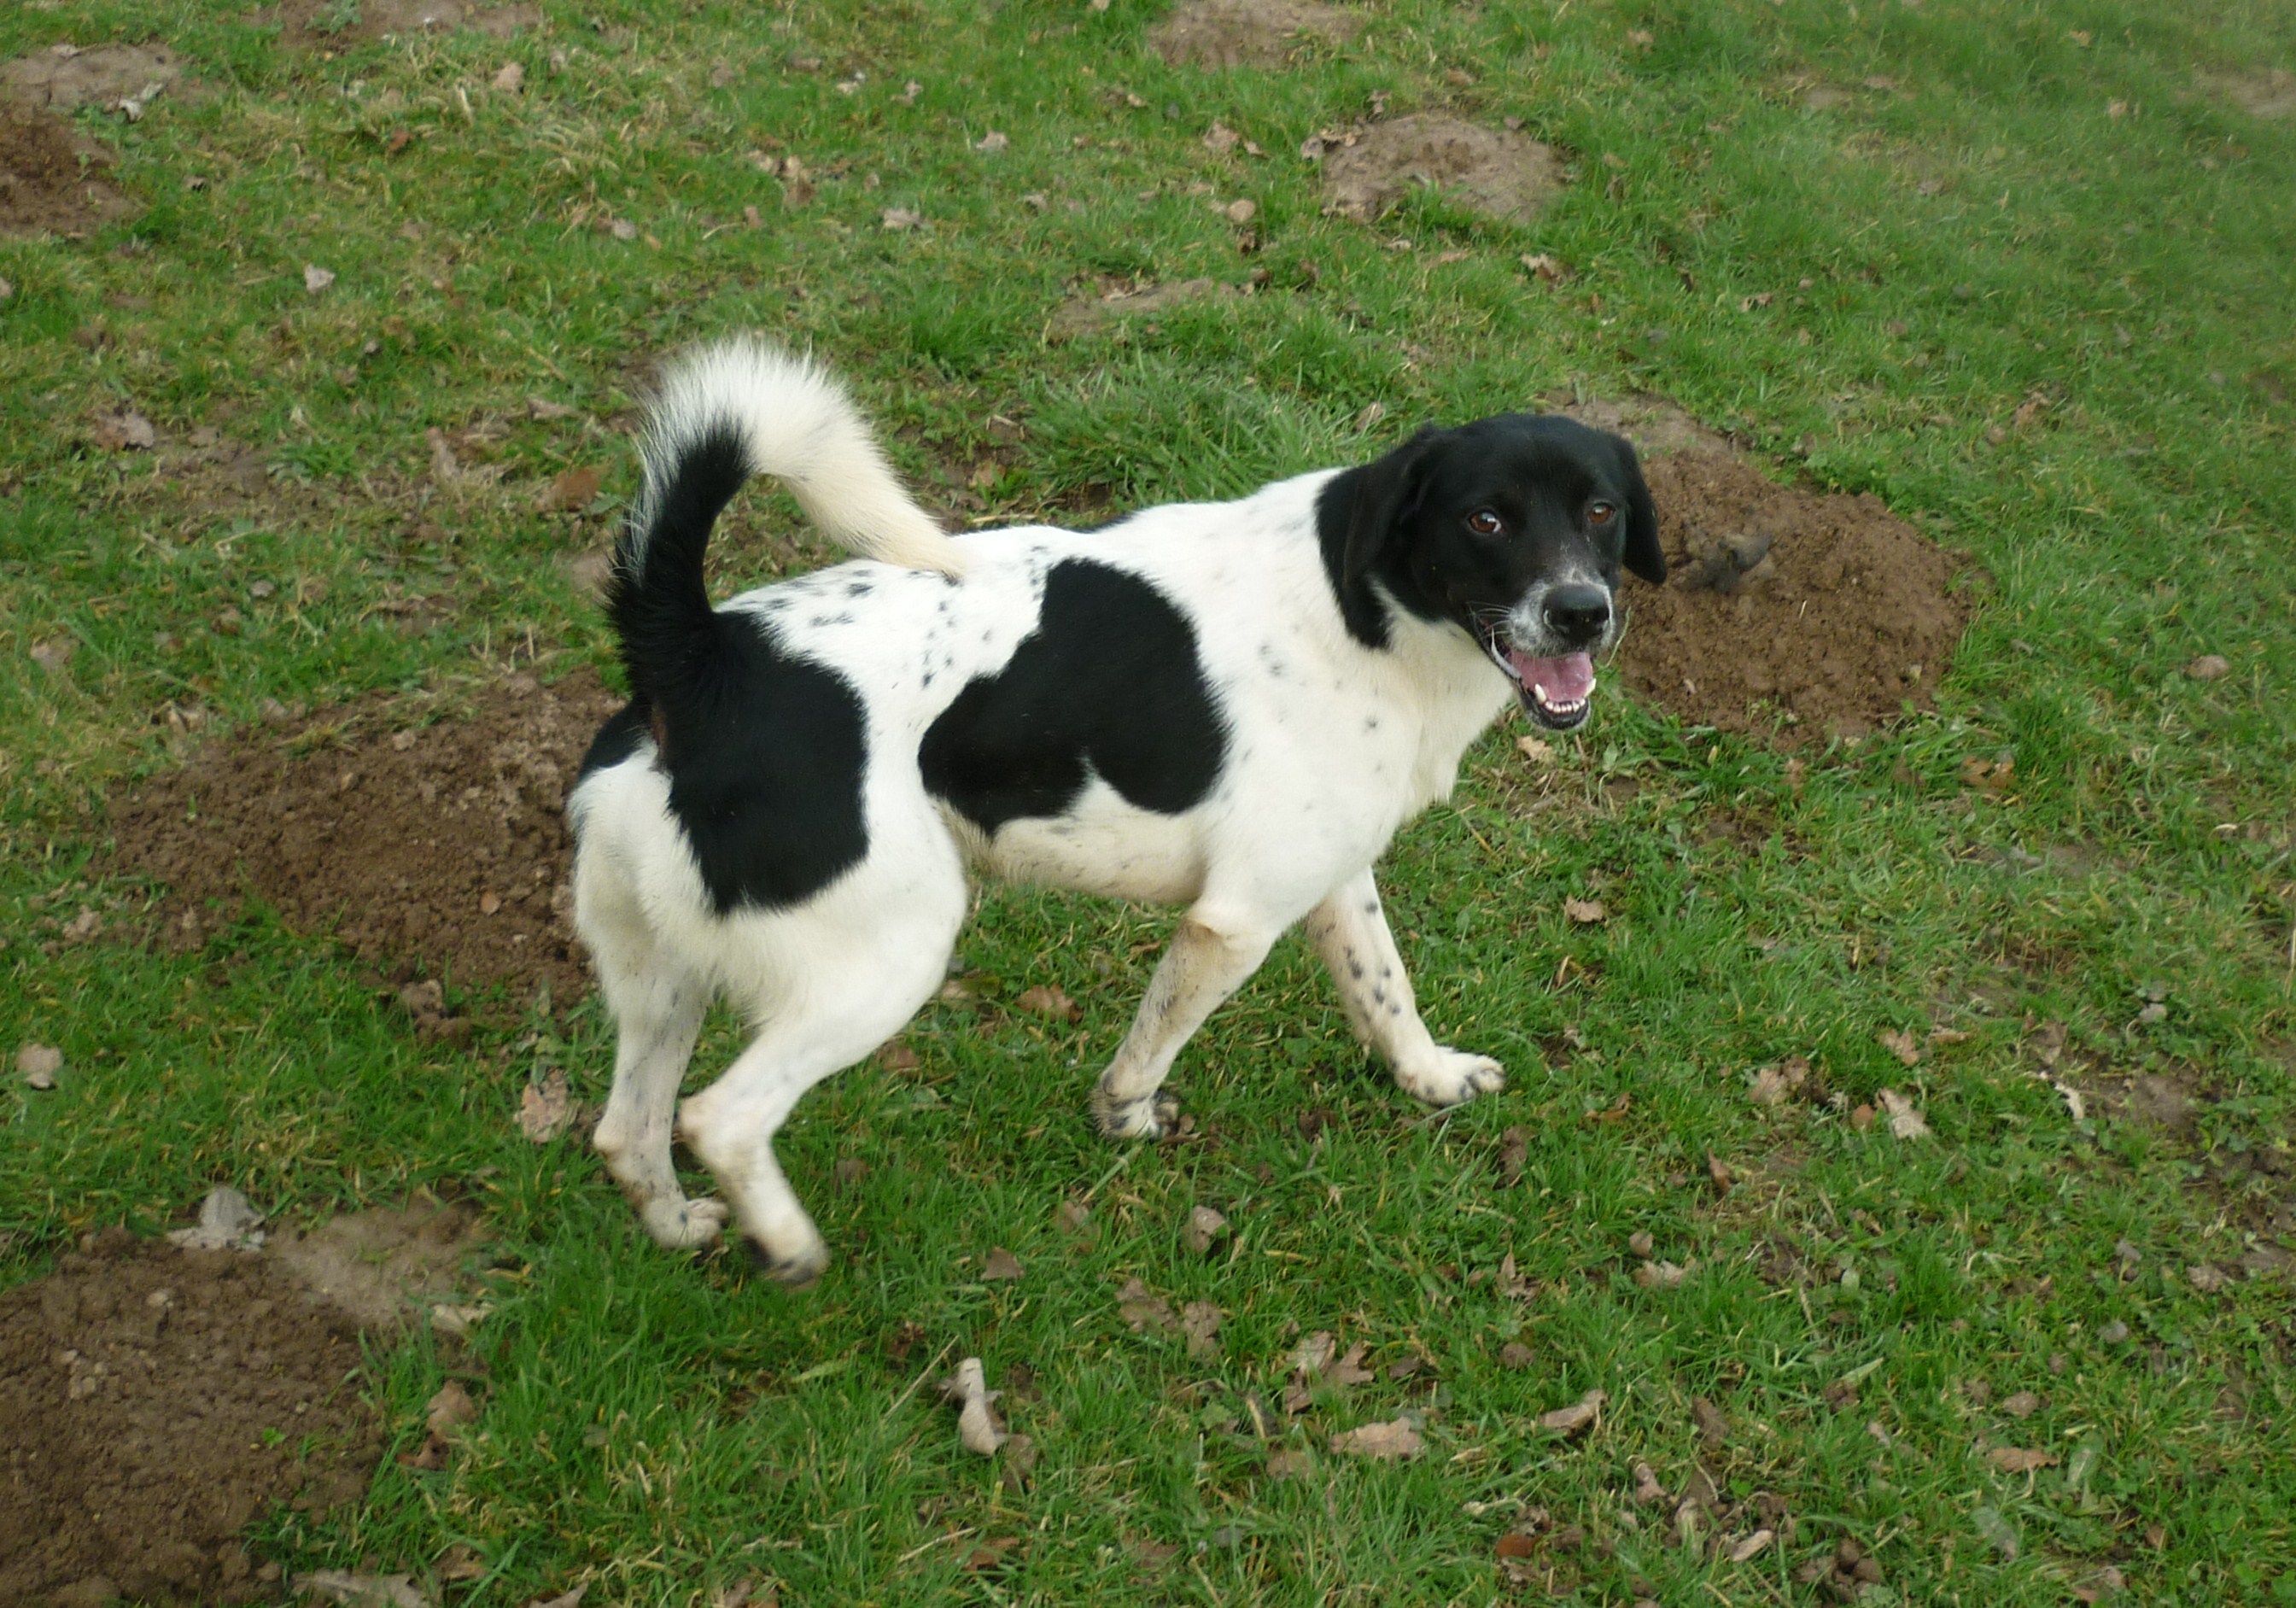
[1245, 33]
[1791, 613]
[1085, 315]
[155, 1400]
[105, 76]
[49, 176]
[2269, 93]
[395, 837]
[327, 25]
[1495, 171]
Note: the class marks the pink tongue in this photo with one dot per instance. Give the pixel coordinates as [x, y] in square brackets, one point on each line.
[1566, 680]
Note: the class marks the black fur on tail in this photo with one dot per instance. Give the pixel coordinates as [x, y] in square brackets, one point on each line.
[656, 597]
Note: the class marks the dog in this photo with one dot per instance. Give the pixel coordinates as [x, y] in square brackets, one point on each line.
[1227, 706]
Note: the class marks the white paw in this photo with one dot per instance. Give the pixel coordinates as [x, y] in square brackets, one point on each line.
[683, 1225]
[1450, 1077]
[1147, 1117]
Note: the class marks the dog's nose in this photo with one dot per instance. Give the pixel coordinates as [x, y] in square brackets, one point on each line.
[1577, 612]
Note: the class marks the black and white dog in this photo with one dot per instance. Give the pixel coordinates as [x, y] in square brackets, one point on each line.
[1229, 706]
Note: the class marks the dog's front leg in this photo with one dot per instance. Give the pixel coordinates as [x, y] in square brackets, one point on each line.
[1208, 961]
[1349, 930]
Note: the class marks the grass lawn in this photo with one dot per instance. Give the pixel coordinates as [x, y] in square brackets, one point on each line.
[2027, 272]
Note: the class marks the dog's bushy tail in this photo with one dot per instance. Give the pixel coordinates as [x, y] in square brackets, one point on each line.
[726, 413]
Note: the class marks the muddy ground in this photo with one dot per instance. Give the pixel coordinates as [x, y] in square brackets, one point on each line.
[1499, 172]
[1794, 614]
[153, 1402]
[407, 838]
[1245, 33]
[52, 179]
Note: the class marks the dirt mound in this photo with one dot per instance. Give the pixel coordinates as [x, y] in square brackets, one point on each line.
[1795, 612]
[1084, 314]
[381, 1264]
[1495, 171]
[155, 1401]
[66, 77]
[2269, 93]
[327, 24]
[1245, 33]
[49, 177]
[443, 843]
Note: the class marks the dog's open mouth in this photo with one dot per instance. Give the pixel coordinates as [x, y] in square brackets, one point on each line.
[1555, 693]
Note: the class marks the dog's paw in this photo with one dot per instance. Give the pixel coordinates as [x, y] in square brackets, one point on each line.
[799, 1271]
[1146, 1118]
[1451, 1077]
[683, 1225]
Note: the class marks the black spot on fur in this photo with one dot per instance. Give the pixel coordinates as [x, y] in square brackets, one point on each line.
[618, 739]
[764, 773]
[764, 752]
[1107, 684]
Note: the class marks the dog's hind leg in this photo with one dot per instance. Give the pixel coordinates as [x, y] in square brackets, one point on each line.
[1208, 961]
[657, 1008]
[849, 978]
[1349, 930]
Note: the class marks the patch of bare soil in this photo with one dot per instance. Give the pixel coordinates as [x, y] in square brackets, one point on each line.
[442, 843]
[155, 1400]
[325, 24]
[1789, 612]
[1245, 33]
[1085, 315]
[2270, 94]
[51, 178]
[1497, 172]
[66, 77]
[380, 1264]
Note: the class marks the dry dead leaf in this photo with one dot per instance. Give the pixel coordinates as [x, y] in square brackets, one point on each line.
[2207, 1278]
[1586, 911]
[1392, 1441]
[1720, 1175]
[1536, 750]
[991, 143]
[361, 1590]
[1578, 1417]
[1861, 1116]
[1240, 211]
[1349, 1370]
[449, 1409]
[54, 653]
[1648, 1491]
[1002, 1266]
[1905, 1119]
[898, 1058]
[2020, 1459]
[1751, 1545]
[1206, 1228]
[1514, 1356]
[1901, 1045]
[1547, 270]
[1289, 1464]
[1143, 1310]
[1514, 1152]
[512, 78]
[1664, 1275]
[545, 1109]
[1313, 1355]
[569, 492]
[315, 278]
[1199, 1320]
[1045, 1000]
[124, 432]
[541, 407]
[565, 1599]
[901, 218]
[2209, 667]
[1020, 1462]
[977, 1429]
[1713, 1427]
[38, 1063]
[2024, 1404]
[1074, 1217]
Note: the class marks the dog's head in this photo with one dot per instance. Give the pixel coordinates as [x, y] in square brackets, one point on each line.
[1514, 528]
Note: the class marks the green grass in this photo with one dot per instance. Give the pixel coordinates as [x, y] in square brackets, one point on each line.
[1938, 252]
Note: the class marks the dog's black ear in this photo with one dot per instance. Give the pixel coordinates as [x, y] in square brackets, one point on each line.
[1384, 491]
[1644, 557]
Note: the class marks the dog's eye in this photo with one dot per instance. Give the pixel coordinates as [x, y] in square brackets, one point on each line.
[1601, 513]
[1482, 521]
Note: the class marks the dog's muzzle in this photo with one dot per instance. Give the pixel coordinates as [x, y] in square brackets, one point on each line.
[1557, 689]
